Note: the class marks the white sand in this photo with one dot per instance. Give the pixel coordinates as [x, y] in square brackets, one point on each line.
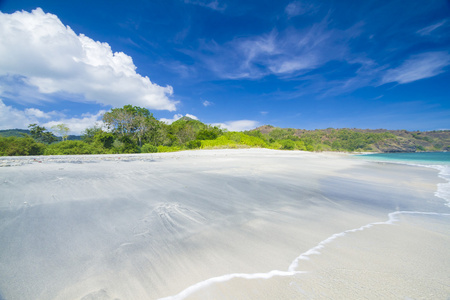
[222, 224]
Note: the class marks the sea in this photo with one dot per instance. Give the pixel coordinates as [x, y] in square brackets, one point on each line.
[436, 160]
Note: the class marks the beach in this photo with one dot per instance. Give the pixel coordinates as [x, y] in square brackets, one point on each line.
[221, 224]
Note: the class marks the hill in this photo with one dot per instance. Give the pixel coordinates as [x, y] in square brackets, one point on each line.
[14, 132]
[353, 139]
[22, 132]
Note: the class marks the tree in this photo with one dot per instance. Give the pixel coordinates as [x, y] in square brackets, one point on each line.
[40, 134]
[62, 131]
[89, 133]
[130, 121]
[210, 133]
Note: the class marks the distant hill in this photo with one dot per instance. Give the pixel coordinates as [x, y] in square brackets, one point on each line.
[14, 132]
[22, 132]
[353, 139]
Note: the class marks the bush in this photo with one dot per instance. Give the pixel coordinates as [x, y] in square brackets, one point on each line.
[300, 145]
[194, 144]
[70, 148]
[244, 139]
[220, 142]
[287, 144]
[208, 134]
[149, 148]
[127, 146]
[14, 146]
[168, 149]
[420, 148]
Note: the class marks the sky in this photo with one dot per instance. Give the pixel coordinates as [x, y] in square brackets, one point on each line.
[239, 64]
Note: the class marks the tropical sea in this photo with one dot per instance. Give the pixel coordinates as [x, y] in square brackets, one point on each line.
[435, 160]
[416, 158]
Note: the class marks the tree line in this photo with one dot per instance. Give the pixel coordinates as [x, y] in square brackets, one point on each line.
[130, 129]
[133, 129]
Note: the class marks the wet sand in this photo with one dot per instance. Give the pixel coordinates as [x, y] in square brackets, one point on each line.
[221, 224]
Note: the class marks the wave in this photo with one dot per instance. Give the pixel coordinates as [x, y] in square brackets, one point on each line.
[295, 263]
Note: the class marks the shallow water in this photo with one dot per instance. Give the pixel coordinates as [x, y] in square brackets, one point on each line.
[437, 160]
[428, 158]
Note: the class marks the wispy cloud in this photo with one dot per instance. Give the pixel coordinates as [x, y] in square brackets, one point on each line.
[288, 53]
[297, 8]
[427, 30]
[418, 67]
[48, 55]
[214, 4]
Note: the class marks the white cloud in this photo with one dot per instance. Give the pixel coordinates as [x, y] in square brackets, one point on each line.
[206, 103]
[418, 67]
[52, 57]
[78, 124]
[11, 118]
[240, 125]
[177, 117]
[191, 116]
[34, 112]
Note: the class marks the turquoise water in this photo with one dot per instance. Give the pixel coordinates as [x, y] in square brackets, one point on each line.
[426, 158]
[436, 160]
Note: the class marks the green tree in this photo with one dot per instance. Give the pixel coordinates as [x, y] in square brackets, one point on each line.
[209, 133]
[89, 133]
[131, 121]
[105, 139]
[40, 134]
[62, 131]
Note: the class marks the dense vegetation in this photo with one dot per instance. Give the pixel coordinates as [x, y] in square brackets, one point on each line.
[132, 129]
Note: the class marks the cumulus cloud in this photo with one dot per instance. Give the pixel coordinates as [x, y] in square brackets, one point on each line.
[11, 118]
[240, 125]
[78, 124]
[46, 54]
[34, 112]
[418, 67]
[177, 117]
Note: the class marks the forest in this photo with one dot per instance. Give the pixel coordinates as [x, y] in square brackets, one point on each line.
[133, 129]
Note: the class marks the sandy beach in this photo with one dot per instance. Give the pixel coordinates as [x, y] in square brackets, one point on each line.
[221, 224]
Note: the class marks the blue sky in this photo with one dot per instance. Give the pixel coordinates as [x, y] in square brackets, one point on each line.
[240, 64]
